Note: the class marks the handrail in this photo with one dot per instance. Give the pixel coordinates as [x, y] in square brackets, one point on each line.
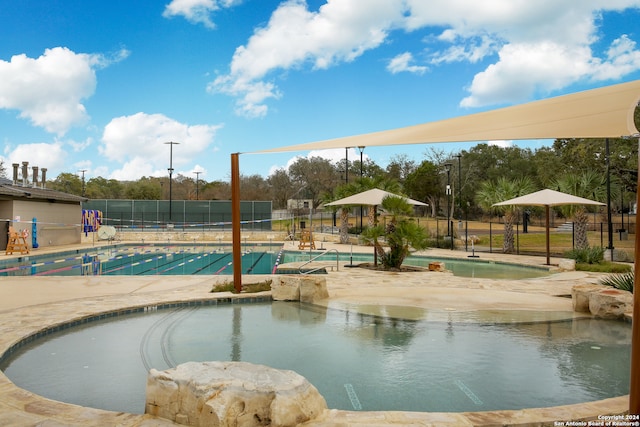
[318, 256]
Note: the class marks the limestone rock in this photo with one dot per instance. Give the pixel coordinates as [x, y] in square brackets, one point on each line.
[610, 303]
[313, 288]
[580, 295]
[285, 288]
[225, 394]
[305, 288]
[566, 264]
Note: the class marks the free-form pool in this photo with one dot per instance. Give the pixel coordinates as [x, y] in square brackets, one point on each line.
[461, 362]
[131, 260]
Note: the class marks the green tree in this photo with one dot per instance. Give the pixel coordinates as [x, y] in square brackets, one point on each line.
[340, 192]
[401, 233]
[143, 189]
[503, 189]
[399, 167]
[281, 187]
[67, 183]
[318, 175]
[102, 188]
[424, 184]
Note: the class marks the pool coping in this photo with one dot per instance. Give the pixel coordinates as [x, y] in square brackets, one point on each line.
[19, 407]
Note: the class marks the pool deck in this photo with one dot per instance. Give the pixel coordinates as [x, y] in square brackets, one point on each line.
[31, 304]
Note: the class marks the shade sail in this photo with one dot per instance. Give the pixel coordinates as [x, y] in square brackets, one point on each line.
[548, 198]
[597, 113]
[372, 197]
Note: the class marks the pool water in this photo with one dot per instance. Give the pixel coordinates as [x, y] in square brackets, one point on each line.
[131, 260]
[357, 361]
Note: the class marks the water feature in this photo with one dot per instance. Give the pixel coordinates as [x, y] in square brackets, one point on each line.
[453, 361]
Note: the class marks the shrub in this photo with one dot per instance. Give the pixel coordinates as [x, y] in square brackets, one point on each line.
[624, 281]
[594, 255]
[603, 267]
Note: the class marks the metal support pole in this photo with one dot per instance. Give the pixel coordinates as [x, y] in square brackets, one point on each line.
[609, 223]
[235, 222]
[634, 386]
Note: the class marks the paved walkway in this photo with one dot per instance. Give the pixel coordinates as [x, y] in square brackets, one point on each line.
[32, 304]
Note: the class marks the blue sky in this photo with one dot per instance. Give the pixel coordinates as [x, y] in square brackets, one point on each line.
[102, 85]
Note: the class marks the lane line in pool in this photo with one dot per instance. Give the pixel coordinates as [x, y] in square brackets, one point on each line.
[466, 390]
[353, 397]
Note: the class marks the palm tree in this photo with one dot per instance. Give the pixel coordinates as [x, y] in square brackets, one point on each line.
[589, 185]
[340, 192]
[401, 233]
[492, 192]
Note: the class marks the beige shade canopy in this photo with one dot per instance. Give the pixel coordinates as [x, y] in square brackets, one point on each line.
[597, 113]
[548, 198]
[372, 197]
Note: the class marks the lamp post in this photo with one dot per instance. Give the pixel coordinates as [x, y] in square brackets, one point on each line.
[346, 165]
[197, 181]
[171, 144]
[447, 167]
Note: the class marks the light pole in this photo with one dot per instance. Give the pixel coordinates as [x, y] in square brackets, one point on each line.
[197, 181]
[171, 144]
[83, 187]
[346, 165]
[447, 167]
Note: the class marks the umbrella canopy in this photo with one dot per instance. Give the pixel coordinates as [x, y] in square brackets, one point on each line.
[548, 198]
[372, 197]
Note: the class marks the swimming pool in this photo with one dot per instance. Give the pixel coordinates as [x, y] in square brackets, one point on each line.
[357, 362]
[131, 260]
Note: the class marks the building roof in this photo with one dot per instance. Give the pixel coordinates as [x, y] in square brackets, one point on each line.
[9, 191]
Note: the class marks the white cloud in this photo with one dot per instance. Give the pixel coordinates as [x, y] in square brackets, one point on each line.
[49, 90]
[340, 31]
[139, 143]
[197, 11]
[44, 155]
[501, 143]
[541, 46]
[528, 48]
[402, 63]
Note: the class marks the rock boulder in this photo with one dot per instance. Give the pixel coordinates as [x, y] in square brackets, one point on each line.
[225, 394]
[298, 287]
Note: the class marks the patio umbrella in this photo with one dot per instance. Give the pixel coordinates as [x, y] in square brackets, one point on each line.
[372, 197]
[548, 198]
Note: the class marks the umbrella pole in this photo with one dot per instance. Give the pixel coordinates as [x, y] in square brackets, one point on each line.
[546, 208]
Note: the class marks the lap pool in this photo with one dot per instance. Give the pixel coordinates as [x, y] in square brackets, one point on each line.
[131, 260]
[460, 362]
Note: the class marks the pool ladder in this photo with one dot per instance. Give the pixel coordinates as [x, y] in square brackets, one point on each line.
[313, 270]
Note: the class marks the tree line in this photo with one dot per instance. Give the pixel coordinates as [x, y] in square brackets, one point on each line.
[469, 174]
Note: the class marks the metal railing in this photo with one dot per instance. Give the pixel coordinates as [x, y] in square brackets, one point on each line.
[322, 266]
